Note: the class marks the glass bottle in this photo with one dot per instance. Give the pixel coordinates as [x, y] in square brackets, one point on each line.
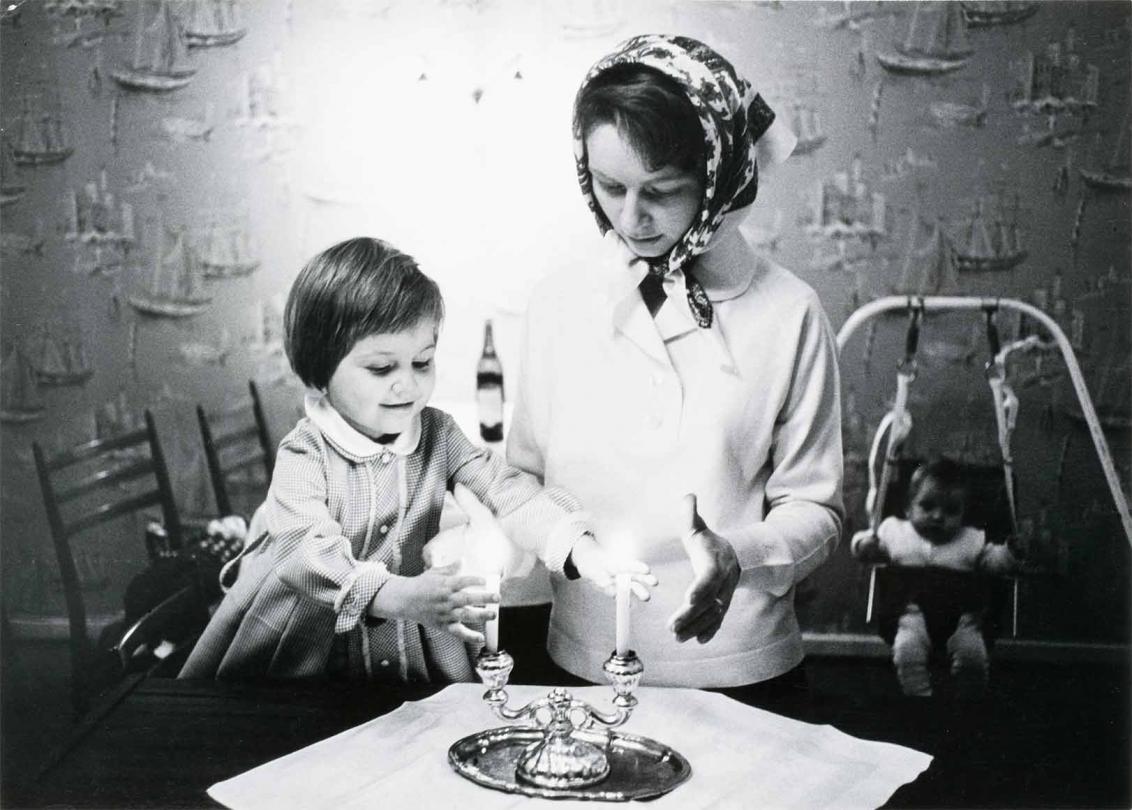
[489, 389]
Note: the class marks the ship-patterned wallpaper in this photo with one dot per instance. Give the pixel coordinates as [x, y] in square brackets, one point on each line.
[167, 166]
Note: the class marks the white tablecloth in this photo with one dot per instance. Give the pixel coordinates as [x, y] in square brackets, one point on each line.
[741, 757]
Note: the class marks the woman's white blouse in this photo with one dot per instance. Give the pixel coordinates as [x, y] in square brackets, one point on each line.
[629, 414]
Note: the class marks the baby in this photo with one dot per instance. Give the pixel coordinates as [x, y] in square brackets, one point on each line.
[935, 534]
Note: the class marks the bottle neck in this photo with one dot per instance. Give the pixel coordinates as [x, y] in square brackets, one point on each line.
[488, 340]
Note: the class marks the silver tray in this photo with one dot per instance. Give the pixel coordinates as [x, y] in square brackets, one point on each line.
[639, 768]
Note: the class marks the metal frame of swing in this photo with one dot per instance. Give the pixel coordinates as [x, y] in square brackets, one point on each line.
[899, 422]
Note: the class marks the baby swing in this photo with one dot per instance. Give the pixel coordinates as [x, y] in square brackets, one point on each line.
[943, 594]
[992, 506]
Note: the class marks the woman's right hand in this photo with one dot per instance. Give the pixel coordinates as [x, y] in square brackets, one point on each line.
[440, 597]
[598, 566]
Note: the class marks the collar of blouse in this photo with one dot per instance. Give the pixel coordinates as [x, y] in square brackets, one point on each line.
[725, 270]
[348, 440]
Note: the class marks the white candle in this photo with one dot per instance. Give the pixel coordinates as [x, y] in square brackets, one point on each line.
[623, 601]
[491, 626]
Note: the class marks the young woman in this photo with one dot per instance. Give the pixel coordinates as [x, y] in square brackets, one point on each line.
[686, 390]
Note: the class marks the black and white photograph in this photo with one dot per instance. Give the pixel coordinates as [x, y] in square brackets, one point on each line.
[565, 403]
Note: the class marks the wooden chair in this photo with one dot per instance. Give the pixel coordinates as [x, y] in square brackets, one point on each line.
[233, 448]
[84, 487]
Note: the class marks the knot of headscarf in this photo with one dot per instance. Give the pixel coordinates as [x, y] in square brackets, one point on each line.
[733, 118]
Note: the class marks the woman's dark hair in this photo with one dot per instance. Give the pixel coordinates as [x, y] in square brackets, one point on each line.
[651, 112]
[355, 289]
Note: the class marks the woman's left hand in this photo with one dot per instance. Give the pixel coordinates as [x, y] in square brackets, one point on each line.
[716, 573]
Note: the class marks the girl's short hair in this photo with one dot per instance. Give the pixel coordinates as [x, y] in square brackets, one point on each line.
[355, 289]
[651, 112]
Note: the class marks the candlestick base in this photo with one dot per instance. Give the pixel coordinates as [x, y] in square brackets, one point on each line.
[561, 760]
[569, 748]
[639, 768]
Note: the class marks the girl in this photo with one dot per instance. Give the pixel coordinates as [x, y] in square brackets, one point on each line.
[336, 584]
[717, 372]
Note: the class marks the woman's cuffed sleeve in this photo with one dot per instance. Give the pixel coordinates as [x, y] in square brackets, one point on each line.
[802, 524]
[544, 521]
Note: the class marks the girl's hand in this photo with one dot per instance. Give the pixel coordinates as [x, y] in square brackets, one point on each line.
[716, 569]
[599, 567]
[440, 597]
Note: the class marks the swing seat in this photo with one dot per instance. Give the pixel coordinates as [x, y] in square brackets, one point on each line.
[943, 594]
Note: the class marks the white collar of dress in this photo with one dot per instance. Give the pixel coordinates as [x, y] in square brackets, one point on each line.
[348, 438]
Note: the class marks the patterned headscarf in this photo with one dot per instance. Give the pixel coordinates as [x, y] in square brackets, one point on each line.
[733, 118]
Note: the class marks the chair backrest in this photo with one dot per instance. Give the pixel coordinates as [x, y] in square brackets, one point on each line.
[178, 620]
[235, 445]
[88, 485]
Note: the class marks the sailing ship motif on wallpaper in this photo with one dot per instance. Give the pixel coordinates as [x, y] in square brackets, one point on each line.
[175, 288]
[266, 318]
[845, 207]
[851, 16]
[212, 23]
[59, 362]
[104, 9]
[115, 417]
[1055, 81]
[97, 216]
[1114, 175]
[12, 186]
[19, 394]
[183, 128]
[225, 250]
[807, 126]
[262, 102]
[929, 269]
[150, 176]
[14, 243]
[159, 59]
[1056, 133]
[936, 41]
[991, 239]
[911, 162]
[205, 353]
[840, 258]
[956, 114]
[986, 13]
[42, 136]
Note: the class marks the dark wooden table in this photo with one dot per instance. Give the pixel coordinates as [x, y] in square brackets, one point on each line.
[166, 741]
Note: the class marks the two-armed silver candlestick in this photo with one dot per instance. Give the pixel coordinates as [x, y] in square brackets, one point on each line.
[566, 747]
